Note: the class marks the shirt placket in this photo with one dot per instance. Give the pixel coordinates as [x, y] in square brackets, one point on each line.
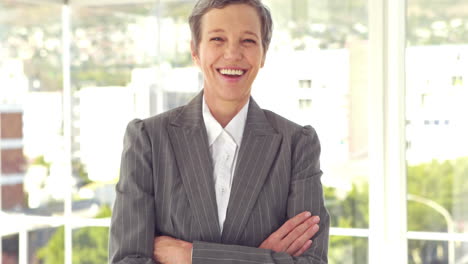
[223, 172]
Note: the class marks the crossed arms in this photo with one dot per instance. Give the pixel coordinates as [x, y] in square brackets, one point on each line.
[292, 238]
[132, 234]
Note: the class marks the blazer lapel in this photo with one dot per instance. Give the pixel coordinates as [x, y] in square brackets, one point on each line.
[188, 137]
[258, 150]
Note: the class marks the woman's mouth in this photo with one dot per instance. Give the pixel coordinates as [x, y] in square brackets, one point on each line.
[231, 73]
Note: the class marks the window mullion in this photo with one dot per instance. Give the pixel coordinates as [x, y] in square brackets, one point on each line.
[23, 246]
[376, 131]
[395, 140]
[387, 207]
[67, 127]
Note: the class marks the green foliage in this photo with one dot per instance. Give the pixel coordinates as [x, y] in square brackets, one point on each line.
[89, 244]
[53, 252]
[422, 14]
[105, 211]
[40, 161]
[352, 210]
[80, 171]
[179, 11]
[46, 69]
[443, 182]
[348, 250]
[98, 76]
[181, 60]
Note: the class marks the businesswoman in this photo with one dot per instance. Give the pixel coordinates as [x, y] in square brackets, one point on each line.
[221, 180]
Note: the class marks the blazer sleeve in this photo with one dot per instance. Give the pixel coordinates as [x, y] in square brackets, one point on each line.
[305, 194]
[132, 227]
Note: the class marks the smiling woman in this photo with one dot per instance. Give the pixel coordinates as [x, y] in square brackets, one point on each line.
[201, 179]
[132, 58]
[230, 56]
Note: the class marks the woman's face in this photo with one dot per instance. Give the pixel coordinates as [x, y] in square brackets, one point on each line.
[230, 52]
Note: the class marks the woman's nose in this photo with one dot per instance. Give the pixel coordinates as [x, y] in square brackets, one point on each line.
[233, 51]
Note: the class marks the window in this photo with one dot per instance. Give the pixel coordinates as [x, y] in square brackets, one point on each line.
[437, 163]
[305, 104]
[457, 80]
[66, 68]
[324, 43]
[305, 83]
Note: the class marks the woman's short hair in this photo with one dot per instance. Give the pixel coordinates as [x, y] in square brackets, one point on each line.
[203, 6]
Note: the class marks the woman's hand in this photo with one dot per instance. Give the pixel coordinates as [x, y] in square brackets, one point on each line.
[293, 237]
[168, 250]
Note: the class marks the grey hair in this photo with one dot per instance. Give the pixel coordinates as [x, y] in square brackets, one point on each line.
[203, 6]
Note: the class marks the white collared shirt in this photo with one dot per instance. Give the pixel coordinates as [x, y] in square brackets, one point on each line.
[224, 147]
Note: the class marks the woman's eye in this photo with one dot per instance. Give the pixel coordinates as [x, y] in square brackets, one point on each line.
[250, 41]
[216, 39]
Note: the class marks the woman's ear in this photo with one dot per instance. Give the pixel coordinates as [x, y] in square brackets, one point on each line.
[194, 53]
[263, 59]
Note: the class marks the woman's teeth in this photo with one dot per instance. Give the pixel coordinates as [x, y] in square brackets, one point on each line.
[231, 72]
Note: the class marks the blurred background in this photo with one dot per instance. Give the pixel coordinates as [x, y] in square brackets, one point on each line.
[73, 74]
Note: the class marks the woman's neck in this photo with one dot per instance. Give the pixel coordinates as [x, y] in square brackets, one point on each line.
[224, 111]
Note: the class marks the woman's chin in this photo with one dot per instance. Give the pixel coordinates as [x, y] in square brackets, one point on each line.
[228, 94]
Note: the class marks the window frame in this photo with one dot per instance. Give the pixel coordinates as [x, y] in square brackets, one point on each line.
[387, 181]
[387, 233]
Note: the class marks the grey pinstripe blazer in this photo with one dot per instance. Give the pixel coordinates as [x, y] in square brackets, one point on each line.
[166, 187]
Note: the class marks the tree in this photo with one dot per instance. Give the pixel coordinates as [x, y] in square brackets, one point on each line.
[89, 244]
[443, 182]
[348, 212]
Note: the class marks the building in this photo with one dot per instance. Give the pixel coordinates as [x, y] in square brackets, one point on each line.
[13, 163]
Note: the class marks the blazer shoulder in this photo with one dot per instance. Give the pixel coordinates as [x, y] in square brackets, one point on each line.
[287, 127]
[160, 120]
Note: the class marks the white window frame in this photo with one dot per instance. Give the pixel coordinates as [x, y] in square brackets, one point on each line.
[387, 180]
[387, 233]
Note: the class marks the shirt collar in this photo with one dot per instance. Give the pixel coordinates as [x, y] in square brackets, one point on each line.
[235, 128]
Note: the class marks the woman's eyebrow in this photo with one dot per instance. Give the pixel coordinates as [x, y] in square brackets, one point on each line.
[216, 30]
[219, 30]
[251, 33]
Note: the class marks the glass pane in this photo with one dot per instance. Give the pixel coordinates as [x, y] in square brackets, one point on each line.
[46, 245]
[437, 92]
[90, 245]
[110, 46]
[181, 80]
[316, 73]
[350, 250]
[127, 61]
[429, 252]
[32, 167]
[139, 55]
[10, 249]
